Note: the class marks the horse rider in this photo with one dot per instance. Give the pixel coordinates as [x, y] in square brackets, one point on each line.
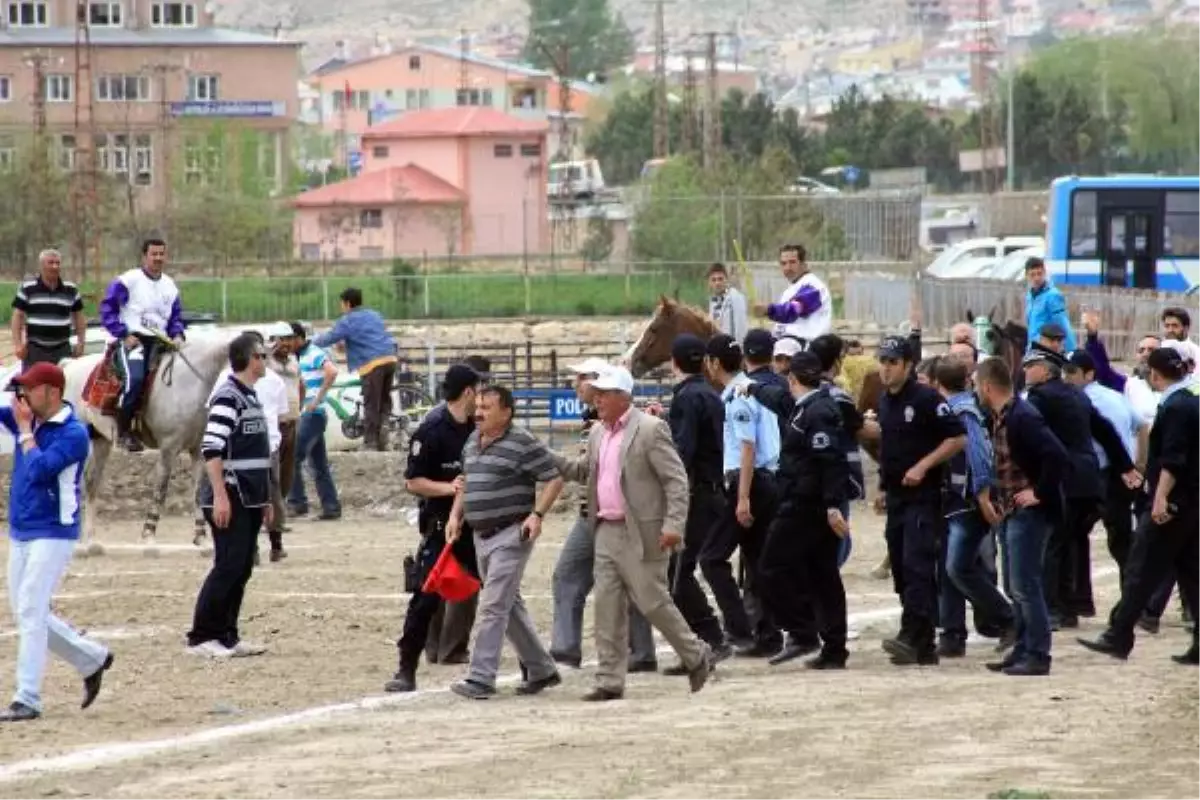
[805, 309]
[139, 307]
[45, 311]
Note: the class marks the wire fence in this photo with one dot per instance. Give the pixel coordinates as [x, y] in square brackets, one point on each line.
[1126, 314]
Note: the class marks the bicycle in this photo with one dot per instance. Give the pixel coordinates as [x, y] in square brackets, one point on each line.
[410, 403]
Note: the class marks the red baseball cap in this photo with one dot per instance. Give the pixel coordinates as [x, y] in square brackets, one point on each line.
[42, 374]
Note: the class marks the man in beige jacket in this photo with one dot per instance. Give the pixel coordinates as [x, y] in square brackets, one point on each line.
[639, 490]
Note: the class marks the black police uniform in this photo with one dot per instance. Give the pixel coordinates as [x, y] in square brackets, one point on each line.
[1171, 548]
[696, 418]
[765, 376]
[434, 453]
[236, 433]
[913, 423]
[799, 562]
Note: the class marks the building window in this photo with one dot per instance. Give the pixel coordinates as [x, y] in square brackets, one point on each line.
[525, 98]
[8, 153]
[118, 88]
[143, 160]
[473, 97]
[173, 15]
[423, 99]
[104, 15]
[100, 148]
[5, 88]
[414, 63]
[59, 89]
[410, 98]
[502, 150]
[359, 100]
[379, 151]
[370, 218]
[310, 252]
[118, 163]
[1181, 225]
[1084, 231]
[203, 87]
[531, 150]
[29, 14]
[201, 162]
[66, 152]
[370, 253]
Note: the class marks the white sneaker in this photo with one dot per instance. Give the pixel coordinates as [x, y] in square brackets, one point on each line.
[210, 649]
[245, 649]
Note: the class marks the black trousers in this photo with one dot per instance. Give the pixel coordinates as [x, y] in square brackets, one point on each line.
[422, 607]
[912, 532]
[1157, 552]
[1067, 570]
[727, 538]
[1118, 519]
[377, 406]
[706, 511]
[801, 584]
[40, 354]
[220, 601]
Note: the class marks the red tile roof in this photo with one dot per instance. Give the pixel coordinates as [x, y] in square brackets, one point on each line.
[458, 121]
[383, 187]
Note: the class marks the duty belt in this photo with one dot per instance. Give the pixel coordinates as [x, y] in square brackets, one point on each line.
[731, 477]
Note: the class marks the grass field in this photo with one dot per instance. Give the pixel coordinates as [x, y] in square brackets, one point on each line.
[454, 296]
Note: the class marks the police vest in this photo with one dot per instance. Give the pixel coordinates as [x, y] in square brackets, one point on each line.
[247, 457]
[849, 444]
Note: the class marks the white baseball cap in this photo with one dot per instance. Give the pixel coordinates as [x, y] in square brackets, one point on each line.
[279, 330]
[787, 346]
[1187, 350]
[614, 379]
[589, 366]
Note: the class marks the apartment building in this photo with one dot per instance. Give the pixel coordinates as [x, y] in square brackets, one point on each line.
[161, 78]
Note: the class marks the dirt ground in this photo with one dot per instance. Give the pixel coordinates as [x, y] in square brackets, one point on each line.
[168, 725]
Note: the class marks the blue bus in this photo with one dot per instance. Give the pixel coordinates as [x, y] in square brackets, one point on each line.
[1141, 231]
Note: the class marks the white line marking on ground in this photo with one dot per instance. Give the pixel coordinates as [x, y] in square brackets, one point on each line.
[105, 634]
[106, 754]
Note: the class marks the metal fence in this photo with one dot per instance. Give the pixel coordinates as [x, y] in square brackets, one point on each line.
[1126, 314]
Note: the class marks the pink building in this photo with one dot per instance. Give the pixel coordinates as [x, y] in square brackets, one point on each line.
[464, 181]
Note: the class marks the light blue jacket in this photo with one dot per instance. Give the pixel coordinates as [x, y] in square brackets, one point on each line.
[1044, 306]
[365, 335]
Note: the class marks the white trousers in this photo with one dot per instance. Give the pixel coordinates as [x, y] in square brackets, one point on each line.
[34, 570]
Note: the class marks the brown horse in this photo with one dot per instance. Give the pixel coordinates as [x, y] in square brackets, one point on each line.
[671, 319]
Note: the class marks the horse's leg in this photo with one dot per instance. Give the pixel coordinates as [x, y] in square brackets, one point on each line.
[93, 478]
[163, 482]
[199, 525]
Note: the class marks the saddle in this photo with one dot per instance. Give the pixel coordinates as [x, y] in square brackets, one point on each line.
[102, 389]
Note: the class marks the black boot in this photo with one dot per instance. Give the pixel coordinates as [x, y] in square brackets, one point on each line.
[125, 436]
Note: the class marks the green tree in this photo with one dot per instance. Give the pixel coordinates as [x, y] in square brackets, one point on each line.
[592, 39]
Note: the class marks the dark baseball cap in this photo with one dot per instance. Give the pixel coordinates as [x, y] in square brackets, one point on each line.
[1082, 360]
[482, 366]
[759, 343]
[723, 345]
[806, 367]
[459, 377]
[1052, 330]
[40, 374]
[895, 347]
[688, 352]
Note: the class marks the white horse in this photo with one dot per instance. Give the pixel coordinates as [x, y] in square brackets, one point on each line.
[174, 416]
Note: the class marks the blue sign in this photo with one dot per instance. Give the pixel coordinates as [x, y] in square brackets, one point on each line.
[565, 405]
[354, 161]
[229, 108]
[850, 174]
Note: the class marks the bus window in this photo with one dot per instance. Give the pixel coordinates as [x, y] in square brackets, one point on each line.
[1181, 225]
[1083, 225]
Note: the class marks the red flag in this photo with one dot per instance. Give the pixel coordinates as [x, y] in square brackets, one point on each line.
[450, 579]
[348, 92]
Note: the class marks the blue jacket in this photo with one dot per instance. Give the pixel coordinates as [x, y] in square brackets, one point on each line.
[1044, 306]
[971, 471]
[365, 334]
[45, 497]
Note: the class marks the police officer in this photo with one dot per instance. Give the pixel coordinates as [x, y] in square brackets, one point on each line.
[434, 474]
[750, 458]
[919, 433]
[697, 418]
[235, 494]
[759, 349]
[799, 563]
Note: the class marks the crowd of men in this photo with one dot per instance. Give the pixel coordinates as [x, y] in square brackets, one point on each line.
[758, 455]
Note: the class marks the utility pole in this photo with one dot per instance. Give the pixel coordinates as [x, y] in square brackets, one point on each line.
[83, 183]
[984, 49]
[40, 155]
[690, 135]
[662, 119]
[1010, 126]
[712, 115]
[464, 67]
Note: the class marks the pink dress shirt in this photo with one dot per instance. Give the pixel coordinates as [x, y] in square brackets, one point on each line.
[608, 471]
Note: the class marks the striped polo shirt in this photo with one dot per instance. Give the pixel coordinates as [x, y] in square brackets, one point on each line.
[48, 311]
[502, 478]
[312, 372]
